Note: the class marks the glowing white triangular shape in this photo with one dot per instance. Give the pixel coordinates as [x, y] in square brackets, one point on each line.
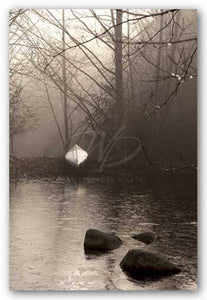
[76, 155]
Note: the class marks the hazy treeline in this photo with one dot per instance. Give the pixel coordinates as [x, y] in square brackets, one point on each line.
[86, 75]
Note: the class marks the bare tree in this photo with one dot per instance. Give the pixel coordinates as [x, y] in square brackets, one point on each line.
[118, 63]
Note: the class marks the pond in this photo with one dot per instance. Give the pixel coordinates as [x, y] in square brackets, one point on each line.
[49, 219]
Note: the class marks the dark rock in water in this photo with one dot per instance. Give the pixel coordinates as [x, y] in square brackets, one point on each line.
[138, 263]
[99, 241]
[145, 237]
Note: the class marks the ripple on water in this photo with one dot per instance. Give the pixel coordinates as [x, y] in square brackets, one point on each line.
[48, 221]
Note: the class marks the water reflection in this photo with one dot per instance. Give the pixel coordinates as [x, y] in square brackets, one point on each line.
[48, 221]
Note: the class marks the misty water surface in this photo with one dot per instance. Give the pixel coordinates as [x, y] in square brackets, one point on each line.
[48, 221]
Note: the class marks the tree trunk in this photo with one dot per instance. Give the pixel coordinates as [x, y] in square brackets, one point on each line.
[65, 104]
[119, 68]
[12, 144]
[11, 133]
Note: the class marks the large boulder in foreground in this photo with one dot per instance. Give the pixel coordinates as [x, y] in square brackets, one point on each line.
[99, 241]
[138, 263]
[145, 237]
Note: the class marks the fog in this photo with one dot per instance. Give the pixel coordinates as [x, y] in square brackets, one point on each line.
[73, 72]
